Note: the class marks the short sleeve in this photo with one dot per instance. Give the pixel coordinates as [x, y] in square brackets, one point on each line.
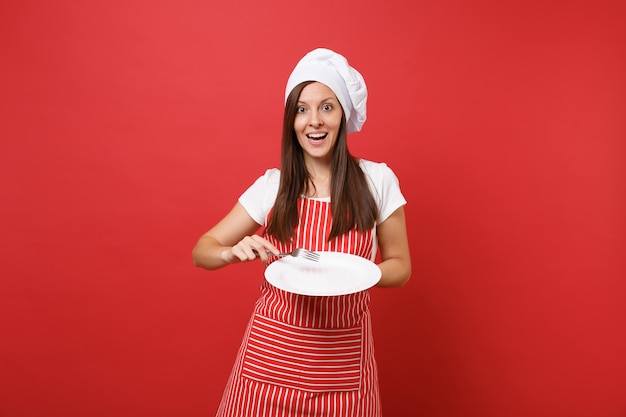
[385, 188]
[259, 198]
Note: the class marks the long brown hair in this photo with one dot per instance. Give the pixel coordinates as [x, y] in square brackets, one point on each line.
[351, 202]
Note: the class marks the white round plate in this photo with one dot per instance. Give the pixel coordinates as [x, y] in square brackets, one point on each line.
[335, 273]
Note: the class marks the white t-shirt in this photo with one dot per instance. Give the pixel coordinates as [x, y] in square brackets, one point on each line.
[259, 199]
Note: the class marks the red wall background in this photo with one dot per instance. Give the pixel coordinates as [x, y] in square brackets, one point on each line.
[129, 127]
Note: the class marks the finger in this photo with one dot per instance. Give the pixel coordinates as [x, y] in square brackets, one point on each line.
[263, 255]
[244, 251]
[240, 253]
[266, 245]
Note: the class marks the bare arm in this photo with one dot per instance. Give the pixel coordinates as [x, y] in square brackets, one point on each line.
[231, 240]
[394, 248]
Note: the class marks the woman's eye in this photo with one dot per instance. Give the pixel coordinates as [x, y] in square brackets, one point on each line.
[300, 109]
[327, 107]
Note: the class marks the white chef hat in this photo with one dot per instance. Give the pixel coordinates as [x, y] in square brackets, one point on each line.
[332, 69]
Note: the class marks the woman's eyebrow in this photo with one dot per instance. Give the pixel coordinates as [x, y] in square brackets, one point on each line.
[321, 101]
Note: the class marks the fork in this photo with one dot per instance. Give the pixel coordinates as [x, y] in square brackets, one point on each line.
[302, 253]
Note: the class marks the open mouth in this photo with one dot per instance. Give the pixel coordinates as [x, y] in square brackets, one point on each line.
[317, 136]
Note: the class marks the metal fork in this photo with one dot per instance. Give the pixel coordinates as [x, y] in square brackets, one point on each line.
[302, 253]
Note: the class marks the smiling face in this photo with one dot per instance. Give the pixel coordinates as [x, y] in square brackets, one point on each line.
[317, 122]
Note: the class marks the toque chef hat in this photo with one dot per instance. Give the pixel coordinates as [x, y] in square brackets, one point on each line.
[332, 69]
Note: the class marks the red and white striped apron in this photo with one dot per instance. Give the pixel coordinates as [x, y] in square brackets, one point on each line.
[304, 355]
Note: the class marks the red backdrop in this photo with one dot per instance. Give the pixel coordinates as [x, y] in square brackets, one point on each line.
[130, 127]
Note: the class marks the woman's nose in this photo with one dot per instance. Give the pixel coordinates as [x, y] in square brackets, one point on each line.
[316, 119]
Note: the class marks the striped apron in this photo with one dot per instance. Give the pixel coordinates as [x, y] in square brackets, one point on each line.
[308, 355]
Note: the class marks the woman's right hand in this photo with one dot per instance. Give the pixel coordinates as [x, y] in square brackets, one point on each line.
[250, 248]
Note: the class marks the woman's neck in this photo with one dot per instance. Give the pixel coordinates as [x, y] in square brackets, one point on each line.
[319, 180]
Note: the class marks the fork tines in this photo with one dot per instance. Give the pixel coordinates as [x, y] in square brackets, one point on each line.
[306, 254]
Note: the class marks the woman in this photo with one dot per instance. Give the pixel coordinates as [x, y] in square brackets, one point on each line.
[312, 355]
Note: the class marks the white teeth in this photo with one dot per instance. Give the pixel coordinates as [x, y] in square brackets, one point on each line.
[316, 135]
